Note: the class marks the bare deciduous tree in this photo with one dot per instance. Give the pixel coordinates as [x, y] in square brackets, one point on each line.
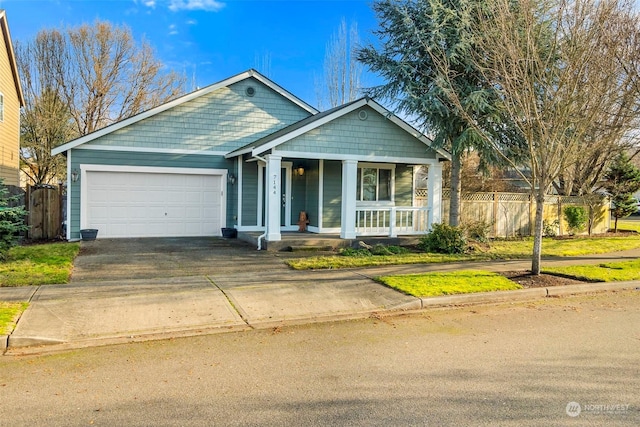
[342, 71]
[559, 68]
[80, 80]
[102, 74]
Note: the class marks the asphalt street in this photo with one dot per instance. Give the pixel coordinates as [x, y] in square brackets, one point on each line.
[566, 361]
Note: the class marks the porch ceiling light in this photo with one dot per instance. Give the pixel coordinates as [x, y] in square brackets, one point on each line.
[299, 171]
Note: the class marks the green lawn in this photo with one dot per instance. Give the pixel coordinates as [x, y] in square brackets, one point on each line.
[506, 249]
[458, 282]
[607, 272]
[9, 313]
[625, 224]
[38, 264]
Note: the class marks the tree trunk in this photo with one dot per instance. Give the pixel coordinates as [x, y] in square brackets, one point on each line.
[456, 191]
[537, 235]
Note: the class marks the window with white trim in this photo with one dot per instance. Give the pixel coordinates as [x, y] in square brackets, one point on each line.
[375, 183]
[1, 107]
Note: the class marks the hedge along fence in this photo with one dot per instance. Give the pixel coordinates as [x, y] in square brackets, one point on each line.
[513, 214]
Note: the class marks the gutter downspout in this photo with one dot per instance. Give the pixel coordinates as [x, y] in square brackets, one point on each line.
[266, 213]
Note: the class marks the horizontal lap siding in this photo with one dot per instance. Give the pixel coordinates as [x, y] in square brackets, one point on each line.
[223, 120]
[404, 185]
[117, 158]
[312, 193]
[10, 126]
[250, 194]
[332, 195]
[348, 135]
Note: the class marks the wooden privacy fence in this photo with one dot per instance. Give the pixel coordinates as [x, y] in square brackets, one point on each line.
[513, 214]
[44, 204]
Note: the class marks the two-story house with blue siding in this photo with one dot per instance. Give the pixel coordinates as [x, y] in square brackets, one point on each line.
[245, 153]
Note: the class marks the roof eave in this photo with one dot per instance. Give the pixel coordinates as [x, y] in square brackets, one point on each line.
[11, 54]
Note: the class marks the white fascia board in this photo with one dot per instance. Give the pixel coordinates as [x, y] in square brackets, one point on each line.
[151, 150]
[304, 129]
[151, 169]
[359, 158]
[407, 127]
[186, 98]
[236, 153]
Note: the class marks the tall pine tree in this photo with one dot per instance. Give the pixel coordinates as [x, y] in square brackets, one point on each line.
[417, 36]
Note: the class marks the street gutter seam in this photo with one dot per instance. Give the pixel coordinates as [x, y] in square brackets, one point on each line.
[230, 301]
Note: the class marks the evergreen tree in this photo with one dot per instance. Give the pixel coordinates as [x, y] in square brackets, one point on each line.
[417, 37]
[11, 220]
[623, 179]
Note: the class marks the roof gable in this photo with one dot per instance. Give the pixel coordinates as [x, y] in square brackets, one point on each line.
[306, 126]
[182, 100]
[4, 29]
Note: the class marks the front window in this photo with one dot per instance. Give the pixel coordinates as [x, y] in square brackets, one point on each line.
[374, 184]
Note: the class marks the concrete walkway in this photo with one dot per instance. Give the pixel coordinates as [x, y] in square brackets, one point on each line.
[128, 290]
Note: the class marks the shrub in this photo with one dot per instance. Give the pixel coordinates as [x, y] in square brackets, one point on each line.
[550, 229]
[477, 230]
[576, 217]
[11, 221]
[355, 252]
[444, 239]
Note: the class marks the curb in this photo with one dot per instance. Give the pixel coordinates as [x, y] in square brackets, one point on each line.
[38, 345]
[526, 294]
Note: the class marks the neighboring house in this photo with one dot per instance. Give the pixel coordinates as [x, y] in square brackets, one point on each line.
[11, 100]
[246, 153]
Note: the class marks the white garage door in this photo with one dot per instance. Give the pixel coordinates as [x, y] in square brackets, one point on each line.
[133, 204]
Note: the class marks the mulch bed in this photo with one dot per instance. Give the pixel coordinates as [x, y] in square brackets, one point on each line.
[528, 280]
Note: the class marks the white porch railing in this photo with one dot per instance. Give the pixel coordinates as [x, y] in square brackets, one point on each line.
[392, 221]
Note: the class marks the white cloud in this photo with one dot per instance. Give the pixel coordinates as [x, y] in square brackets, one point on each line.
[207, 5]
[149, 3]
[191, 22]
[173, 29]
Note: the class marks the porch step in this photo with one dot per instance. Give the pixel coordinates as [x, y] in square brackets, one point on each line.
[310, 248]
[296, 242]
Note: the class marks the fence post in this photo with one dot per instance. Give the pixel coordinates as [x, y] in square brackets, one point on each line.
[495, 214]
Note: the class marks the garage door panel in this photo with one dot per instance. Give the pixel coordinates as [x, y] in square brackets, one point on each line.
[131, 204]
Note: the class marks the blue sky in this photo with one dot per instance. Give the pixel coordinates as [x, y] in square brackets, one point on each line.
[212, 39]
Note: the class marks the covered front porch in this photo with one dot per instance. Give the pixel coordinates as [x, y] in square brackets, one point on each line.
[352, 172]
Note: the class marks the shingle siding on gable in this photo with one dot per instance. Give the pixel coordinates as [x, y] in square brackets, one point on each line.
[348, 135]
[220, 121]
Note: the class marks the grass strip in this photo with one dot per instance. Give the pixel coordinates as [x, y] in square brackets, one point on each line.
[38, 264]
[606, 272]
[500, 249]
[9, 313]
[449, 283]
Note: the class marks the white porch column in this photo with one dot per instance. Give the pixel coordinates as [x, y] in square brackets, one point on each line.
[349, 187]
[274, 197]
[434, 192]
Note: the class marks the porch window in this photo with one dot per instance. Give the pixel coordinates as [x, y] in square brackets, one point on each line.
[374, 184]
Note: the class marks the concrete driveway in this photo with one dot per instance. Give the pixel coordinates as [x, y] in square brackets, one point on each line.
[136, 289]
[117, 259]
